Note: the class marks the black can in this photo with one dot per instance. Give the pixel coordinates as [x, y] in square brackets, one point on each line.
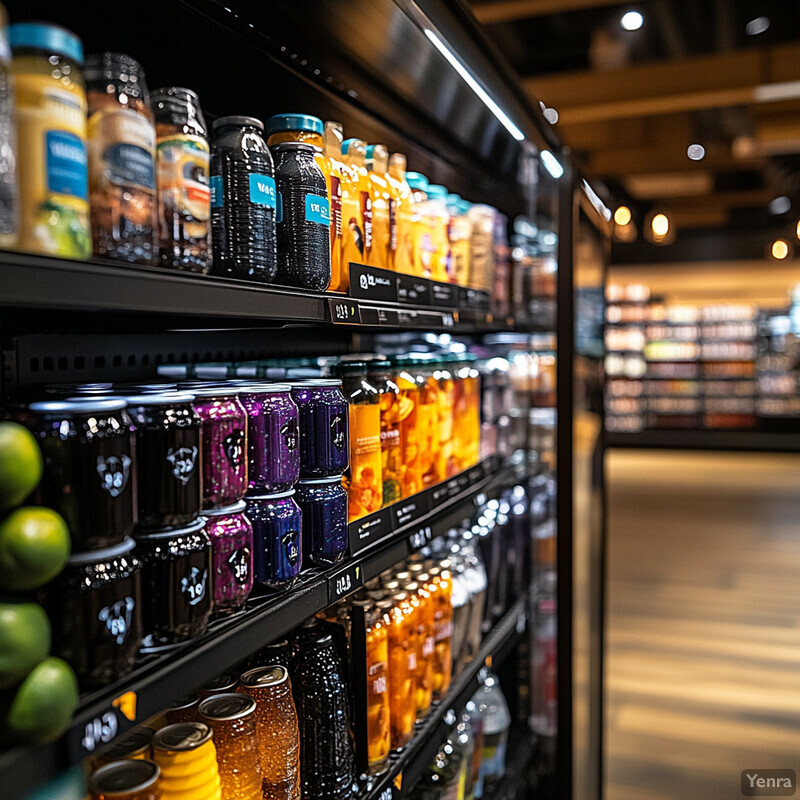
[243, 201]
[95, 610]
[304, 248]
[167, 458]
[176, 583]
[89, 469]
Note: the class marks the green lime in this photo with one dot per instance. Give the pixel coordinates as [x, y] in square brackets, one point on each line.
[41, 707]
[24, 639]
[34, 546]
[20, 464]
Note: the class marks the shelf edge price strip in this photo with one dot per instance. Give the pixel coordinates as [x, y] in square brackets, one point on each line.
[344, 311]
[345, 581]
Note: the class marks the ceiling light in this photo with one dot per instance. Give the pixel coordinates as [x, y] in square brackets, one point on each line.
[551, 164]
[696, 152]
[780, 205]
[756, 26]
[660, 226]
[780, 249]
[632, 21]
[622, 216]
[551, 115]
[797, 229]
[473, 84]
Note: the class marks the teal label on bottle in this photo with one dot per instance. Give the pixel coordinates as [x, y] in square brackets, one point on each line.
[215, 185]
[317, 209]
[66, 164]
[262, 190]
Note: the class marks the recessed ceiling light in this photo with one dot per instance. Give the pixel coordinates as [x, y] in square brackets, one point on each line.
[696, 152]
[756, 26]
[780, 249]
[632, 20]
[780, 205]
[622, 216]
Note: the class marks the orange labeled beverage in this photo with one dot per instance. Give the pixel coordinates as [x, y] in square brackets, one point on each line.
[401, 679]
[126, 779]
[381, 197]
[187, 758]
[277, 729]
[184, 710]
[364, 479]
[378, 373]
[420, 598]
[410, 461]
[232, 718]
[445, 465]
[427, 418]
[332, 138]
[401, 238]
[356, 204]
[441, 588]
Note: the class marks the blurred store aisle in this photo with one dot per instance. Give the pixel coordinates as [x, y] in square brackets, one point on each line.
[703, 631]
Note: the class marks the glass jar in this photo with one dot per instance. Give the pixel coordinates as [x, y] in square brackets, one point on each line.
[231, 536]
[95, 607]
[89, 472]
[410, 470]
[9, 198]
[425, 659]
[402, 663]
[364, 481]
[304, 248]
[402, 239]
[126, 779]
[273, 437]
[323, 417]
[232, 718]
[244, 201]
[184, 197]
[224, 444]
[278, 731]
[50, 100]
[176, 594]
[441, 588]
[445, 409]
[379, 375]
[323, 504]
[277, 539]
[167, 458]
[186, 754]
[421, 367]
[122, 175]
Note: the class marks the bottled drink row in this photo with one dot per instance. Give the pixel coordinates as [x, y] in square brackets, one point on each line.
[315, 714]
[103, 167]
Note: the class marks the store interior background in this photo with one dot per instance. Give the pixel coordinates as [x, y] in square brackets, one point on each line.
[701, 645]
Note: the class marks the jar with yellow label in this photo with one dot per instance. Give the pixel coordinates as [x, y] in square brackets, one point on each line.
[47, 67]
[186, 755]
[380, 195]
[364, 479]
[410, 460]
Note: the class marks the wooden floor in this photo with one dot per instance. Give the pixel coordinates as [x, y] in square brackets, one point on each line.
[703, 632]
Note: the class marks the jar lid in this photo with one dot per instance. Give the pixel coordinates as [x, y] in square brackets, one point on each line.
[156, 399]
[214, 390]
[224, 511]
[106, 554]
[276, 496]
[79, 389]
[294, 122]
[44, 36]
[303, 147]
[122, 389]
[416, 180]
[334, 479]
[174, 93]
[163, 533]
[227, 706]
[264, 676]
[310, 382]
[237, 122]
[226, 680]
[182, 736]
[117, 67]
[135, 741]
[187, 701]
[124, 778]
[78, 405]
[264, 388]
[436, 190]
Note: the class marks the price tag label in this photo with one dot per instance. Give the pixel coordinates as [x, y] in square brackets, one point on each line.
[345, 581]
[344, 311]
[420, 538]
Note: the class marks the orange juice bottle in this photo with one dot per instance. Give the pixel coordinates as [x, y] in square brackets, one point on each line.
[427, 418]
[422, 247]
[437, 220]
[364, 478]
[357, 203]
[381, 196]
[410, 470]
[420, 597]
[401, 247]
[378, 373]
[459, 233]
[441, 589]
[401, 679]
[340, 274]
[445, 463]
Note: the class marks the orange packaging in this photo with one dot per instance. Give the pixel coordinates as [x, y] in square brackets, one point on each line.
[401, 679]
[380, 194]
[187, 758]
[410, 473]
[340, 274]
[420, 598]
[401, 246]
[441, 589]
[445, 465]
[427, 420]
[356, 204]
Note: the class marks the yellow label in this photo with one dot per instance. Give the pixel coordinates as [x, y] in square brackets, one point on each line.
[126, 703]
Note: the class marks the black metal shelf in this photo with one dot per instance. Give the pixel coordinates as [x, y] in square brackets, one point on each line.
[407, 766]
[702, 439]
[159, 680]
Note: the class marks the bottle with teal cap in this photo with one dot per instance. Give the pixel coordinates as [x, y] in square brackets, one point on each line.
[437, 221]
[459, 233]
[381, 198]
[51, 128]
[422, 246]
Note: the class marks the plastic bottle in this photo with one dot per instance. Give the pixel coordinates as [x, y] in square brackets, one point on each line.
[422, 247]
[459, 234]
[357, 202]
[332, 138]
[438, 220]
[243, 201]
[380, 195]
[496, 721]
[401, 240]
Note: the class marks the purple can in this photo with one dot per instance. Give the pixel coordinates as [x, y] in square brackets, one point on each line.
[272, 437]
[323, 503]
[324, 440]
[224, 444]
[231, 536]
[277, 539]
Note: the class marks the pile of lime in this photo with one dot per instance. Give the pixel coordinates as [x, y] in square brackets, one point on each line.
[38, 693]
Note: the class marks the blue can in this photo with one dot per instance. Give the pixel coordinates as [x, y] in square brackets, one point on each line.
[324, 506]
[277, 539]
[324, 439]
